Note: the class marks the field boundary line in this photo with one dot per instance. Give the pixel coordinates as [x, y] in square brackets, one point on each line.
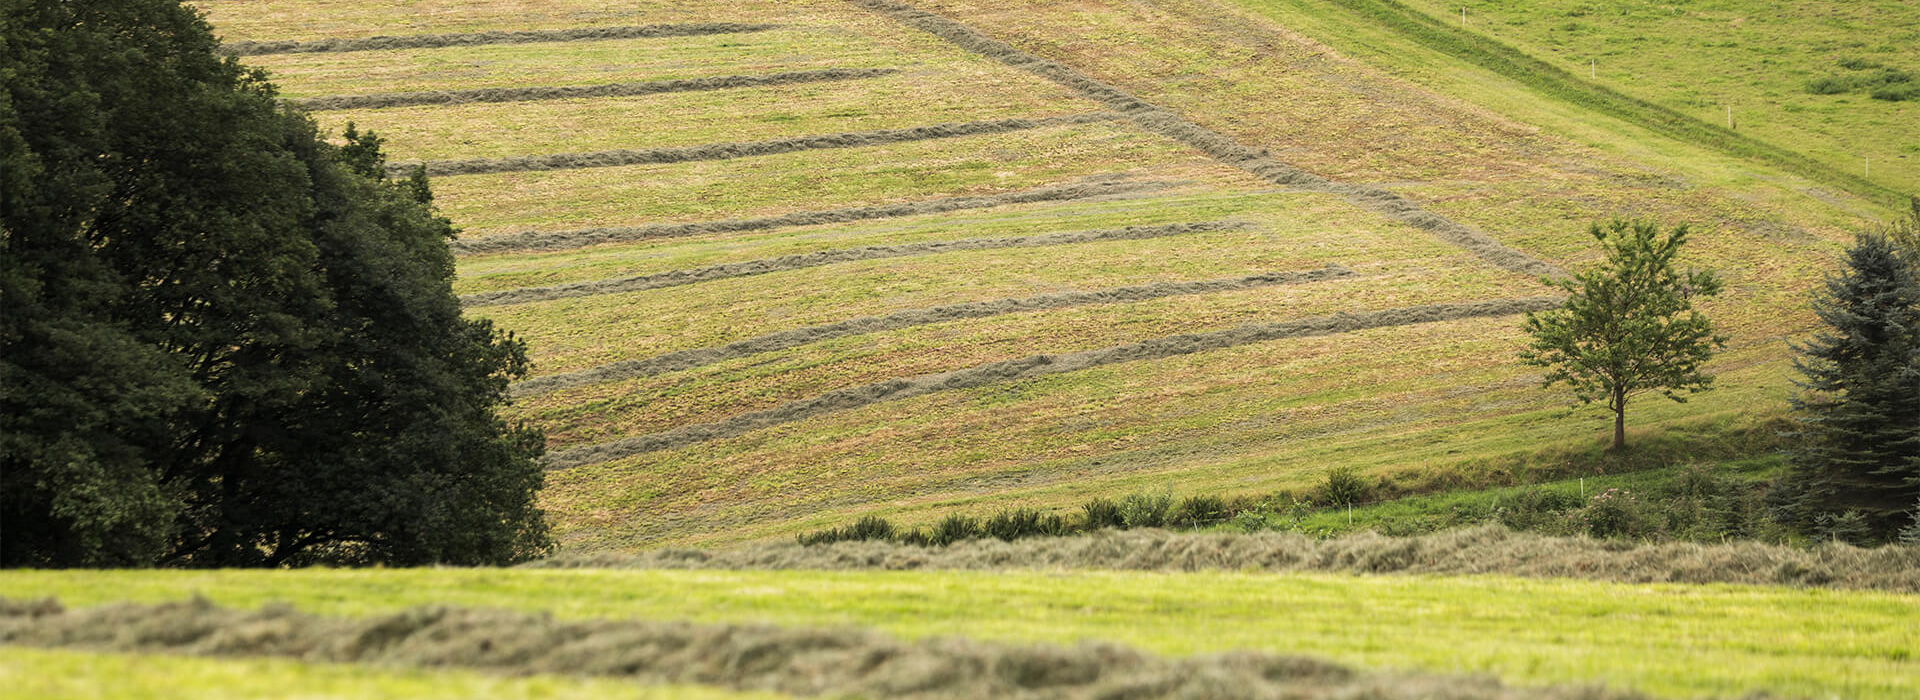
[800, 261]
[737, 149]
[1034, 366]
[1167, 123]
[530, 241]
[388, 100]
[534, 36]
[781, 340]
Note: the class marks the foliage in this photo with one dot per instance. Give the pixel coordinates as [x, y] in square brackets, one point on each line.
[1858, 446]
[226, 344]
[1883, 83]
[1146, 509]
[1344, 487]
[1101, 513]
[1628, 326]
[1200, 510]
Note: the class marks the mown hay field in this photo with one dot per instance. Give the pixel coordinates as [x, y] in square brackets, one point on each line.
[789, 294]
[1669, 640]
[76, 675]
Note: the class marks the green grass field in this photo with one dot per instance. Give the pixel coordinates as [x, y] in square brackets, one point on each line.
[1674, 641]
[41, 674]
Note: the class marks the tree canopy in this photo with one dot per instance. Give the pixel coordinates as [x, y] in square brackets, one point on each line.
[226, 341]
[1628, 325]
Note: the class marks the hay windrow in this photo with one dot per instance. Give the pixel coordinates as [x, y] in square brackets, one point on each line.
[435, 41]
[749, 268]
[730, 150]
[779, 340]
[1171, 125]
[1484, 549]
[1033, 366]
[580, 238]
[800, 661]
[531, 94]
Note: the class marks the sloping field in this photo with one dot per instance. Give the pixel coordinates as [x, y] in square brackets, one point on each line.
[1677, 641]
[782, 263]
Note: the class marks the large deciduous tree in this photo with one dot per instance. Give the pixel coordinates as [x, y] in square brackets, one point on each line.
[225, 341]
[1628, 325]
[1858, 414]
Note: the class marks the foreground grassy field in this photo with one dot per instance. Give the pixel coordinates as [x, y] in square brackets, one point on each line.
[40, 674]
[1674, 641]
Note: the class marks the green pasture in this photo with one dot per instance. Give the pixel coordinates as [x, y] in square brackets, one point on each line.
[1670, 640]
[1748, 60]
[296, 19]
[46, 674]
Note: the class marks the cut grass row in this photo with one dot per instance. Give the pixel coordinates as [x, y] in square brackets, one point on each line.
[899, 100]
[781, 340]
[572, 334]
[1221, 147]
[1252, 419]
[262, 20]
[582, 63]
[1034, 366]
[1676, 641]
[391, 100]
[778, 184]
[469, 39]
[820, 258]
[38, 674]
[765, 381]
[732, 150]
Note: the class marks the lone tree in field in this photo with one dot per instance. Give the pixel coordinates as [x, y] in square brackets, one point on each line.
[1859, 411]
[1628, 326]
[226, 342]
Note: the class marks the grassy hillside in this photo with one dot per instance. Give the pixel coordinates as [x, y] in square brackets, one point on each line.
[1220, 245]
[1674, 641]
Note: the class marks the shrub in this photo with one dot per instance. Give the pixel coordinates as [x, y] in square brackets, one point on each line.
[1613, 513]
[1145, 510]
[1898, 92]
[1010, 525]
[1103, 513]
[1857, 63]
[1344, 487]
[1829, 85]
[1200, 511]
[867, 528]
[1250, 520]
[955, 528]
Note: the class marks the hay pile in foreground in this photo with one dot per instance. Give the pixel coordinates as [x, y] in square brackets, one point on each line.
[836, 663]
[1487, 549]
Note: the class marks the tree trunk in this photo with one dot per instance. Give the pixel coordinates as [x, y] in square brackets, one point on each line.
[1619, 423]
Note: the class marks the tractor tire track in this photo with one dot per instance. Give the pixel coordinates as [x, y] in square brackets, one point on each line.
[525, 241]
[748, 268]
[532, 94]
[781, 340]
[729, 150]
[435, 41]
[1169, 124]
[1035, 366]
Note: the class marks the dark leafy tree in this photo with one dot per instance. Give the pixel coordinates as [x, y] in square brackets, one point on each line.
[1858, 412]
[224, 341]
[1628, 325]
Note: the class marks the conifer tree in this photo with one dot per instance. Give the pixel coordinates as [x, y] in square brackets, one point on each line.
[1858, 412]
